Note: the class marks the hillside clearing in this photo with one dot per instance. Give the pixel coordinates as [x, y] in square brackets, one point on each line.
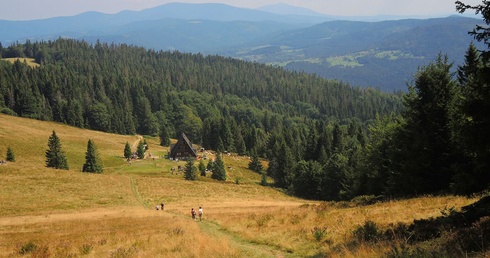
[29, 61]
[47, 212]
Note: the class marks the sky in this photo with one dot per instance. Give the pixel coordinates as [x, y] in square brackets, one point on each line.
[40, 9]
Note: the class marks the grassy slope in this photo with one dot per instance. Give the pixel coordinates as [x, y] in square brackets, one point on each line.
[68, 213]
[30, 61]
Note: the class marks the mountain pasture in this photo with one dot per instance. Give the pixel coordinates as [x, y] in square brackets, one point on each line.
[58, 213]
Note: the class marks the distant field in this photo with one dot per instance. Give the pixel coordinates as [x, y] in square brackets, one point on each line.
[57, 213]
[30, 61]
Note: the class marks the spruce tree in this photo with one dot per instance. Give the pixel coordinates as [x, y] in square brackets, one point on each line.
[190, 172]
[425, 155]
[10, 155]
[219, 172]
[92, 160]
[210, 166]
[127, 151]
[255, 164]
[140, 151]
[263, 180]
[55, 157]
[202, 168]
[473, 131]
[164, 136]
[472, 63]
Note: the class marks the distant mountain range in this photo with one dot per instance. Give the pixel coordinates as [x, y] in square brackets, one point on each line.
[382, 54]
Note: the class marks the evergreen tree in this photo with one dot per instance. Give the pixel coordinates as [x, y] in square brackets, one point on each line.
[202, 168]
[471, 65]
[481, 32]
[210, 166]
[164, 136]
[263, 180]
[219, 172]
[255, 164]
[373, 176]
[283, 176]
[422, 164]
[473, 129]
[338, 139]
[220, 147]
[127, 151]
[307, 179]
[92, 160]
[140, 151]
[333, 177]
[311, 152]
[55, 157]
[240, 147]
[10, 155]
[472, 124]
[190, 172]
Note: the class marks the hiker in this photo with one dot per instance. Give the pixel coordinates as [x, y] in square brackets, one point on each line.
[162, 206]
[156, 207]
[200, 213]
[193, 213]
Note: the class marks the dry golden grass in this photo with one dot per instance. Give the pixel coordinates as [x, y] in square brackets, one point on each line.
[29, 61]
[72, 214]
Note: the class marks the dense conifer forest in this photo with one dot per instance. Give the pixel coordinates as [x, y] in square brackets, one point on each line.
[324, 139]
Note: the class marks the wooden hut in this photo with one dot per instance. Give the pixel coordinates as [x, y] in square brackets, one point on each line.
[182, 149]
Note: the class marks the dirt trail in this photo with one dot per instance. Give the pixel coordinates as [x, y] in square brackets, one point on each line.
[249, 249]
[135, 143]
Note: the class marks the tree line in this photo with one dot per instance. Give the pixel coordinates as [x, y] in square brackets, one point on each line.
[323, 139]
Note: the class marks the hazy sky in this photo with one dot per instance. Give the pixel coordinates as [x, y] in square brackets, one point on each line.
[37, 9]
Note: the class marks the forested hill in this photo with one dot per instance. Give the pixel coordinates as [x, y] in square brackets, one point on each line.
[127, 89]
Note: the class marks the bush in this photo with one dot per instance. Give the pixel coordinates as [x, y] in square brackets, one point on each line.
[8, 111]
[124, 253]
[10, 155]
[471, 240]
[366, 200]
[27, 248]
[86, 249]
[263, 220]
[369, 232]
[319, 233]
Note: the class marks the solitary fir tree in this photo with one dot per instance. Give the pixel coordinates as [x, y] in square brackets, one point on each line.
[219, 172]
[190, 172]
[127, 151]
[92, 161]
[10, 155]
[55, 157]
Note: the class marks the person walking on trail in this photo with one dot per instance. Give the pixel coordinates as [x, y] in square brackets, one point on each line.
[162, 206]
[193, 213]
[200, 213]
